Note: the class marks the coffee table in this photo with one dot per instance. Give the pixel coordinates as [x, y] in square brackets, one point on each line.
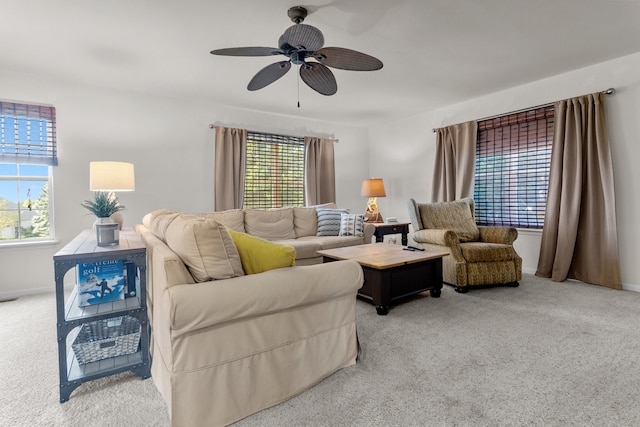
[391, 273]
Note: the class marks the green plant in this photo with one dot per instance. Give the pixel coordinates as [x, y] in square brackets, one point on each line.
[103, 205]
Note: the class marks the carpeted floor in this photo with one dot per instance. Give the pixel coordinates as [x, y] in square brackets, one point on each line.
[547, 354]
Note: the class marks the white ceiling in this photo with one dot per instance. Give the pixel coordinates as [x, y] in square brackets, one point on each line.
[435, 52]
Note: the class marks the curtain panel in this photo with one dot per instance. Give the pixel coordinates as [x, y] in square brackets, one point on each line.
[320, 171]
[230, 151]
[455, 162]
[579, 238]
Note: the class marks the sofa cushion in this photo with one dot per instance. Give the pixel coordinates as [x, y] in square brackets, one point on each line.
[233, 218]
[487, 252]
[259, 255]
[304, 248]
[455, 216]
[270, 224]
[159, 220]
[352, 225]
[329, 221]
[305, 219]
[205, 247]
[332, 242]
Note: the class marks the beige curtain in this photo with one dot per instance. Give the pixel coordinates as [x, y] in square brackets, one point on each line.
[455, 162]
[579, 239]
[229, 167]
[320, 171]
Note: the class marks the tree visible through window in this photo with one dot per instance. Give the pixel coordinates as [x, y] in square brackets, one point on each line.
[274, 171]
[27, 152]
[513, 156]
[24, 202]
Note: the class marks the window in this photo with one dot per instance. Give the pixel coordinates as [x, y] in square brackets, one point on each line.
[274, 171]
[27, 153]
[513, 155]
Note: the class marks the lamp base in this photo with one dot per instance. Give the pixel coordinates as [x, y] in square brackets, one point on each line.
[372, 214]
[373, 217]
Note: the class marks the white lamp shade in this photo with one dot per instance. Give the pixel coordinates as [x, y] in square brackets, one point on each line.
[111, 176]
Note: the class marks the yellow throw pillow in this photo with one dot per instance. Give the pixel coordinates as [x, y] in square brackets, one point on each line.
[259, 255]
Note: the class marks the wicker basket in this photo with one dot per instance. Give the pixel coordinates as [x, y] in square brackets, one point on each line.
[106, 338]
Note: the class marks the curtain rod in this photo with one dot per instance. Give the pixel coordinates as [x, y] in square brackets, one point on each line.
[609, 91]
[336, 140]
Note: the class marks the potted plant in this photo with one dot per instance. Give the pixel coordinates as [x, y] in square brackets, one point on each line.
[103, 206]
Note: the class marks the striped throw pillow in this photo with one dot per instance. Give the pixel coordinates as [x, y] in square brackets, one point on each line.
[329, 221]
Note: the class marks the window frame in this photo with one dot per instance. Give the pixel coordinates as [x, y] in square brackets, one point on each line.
[523, 140]
[278, 198]
[48, 180]
[27, 139]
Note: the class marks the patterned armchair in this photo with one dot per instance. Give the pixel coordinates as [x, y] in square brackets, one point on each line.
[478, 256]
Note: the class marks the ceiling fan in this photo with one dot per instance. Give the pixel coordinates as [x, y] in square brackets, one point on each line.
[302, 44]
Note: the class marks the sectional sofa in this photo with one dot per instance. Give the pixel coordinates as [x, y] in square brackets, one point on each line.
[226, 344]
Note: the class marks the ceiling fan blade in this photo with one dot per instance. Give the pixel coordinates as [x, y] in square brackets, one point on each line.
[248, 51]
[347, 59]
[319, 78]
[269, 74]
[302, 35]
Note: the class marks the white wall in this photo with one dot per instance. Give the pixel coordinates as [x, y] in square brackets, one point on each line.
[171, 145]
[403, 152]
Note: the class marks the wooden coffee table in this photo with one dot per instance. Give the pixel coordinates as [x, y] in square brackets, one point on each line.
[391, 273]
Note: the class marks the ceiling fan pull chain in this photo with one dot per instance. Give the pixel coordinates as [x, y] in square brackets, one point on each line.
[298, 90]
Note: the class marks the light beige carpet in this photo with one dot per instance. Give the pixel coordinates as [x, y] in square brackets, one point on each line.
[543, 354]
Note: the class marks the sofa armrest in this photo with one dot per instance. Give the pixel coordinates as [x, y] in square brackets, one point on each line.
[369, 229]
[503, 235]
[440, 237]
[207, 304]
[436, 237]
[166, 267]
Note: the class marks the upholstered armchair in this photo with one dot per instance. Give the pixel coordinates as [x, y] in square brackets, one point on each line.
[478, 256]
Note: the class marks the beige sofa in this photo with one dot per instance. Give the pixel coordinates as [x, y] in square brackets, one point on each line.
[224, 349]
[294, 226]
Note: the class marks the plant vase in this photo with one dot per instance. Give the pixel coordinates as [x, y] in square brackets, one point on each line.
[107, 232]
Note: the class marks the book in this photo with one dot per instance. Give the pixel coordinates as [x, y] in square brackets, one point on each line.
[131, 274]
[100, 282]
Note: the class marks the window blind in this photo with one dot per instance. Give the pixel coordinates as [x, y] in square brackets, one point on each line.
[27, 134]
[513, 156]
[274, 171]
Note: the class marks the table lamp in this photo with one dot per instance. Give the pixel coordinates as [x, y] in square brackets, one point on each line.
[111, 177]
[373, 188]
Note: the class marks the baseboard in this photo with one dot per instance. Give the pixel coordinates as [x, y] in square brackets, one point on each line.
[630, 287]
[625, 286]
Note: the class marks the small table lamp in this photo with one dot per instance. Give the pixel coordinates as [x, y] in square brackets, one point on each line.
[373, 188]
[112, 177]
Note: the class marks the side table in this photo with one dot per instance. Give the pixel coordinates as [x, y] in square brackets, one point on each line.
[71, 317]
[384, 228]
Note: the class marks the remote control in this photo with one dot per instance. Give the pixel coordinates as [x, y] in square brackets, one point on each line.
[414, 248]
